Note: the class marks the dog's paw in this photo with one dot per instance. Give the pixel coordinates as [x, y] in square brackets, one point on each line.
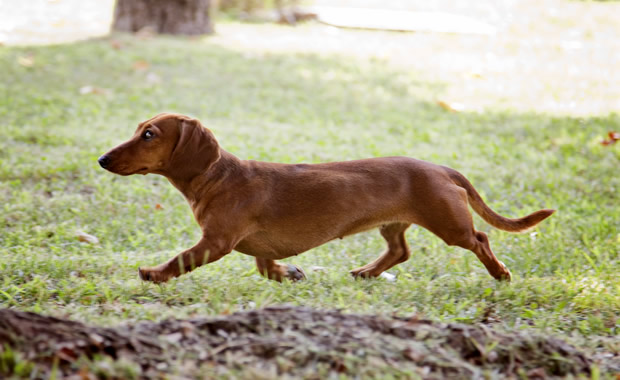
[150, 276]
[363, 272]
[295, 273]
[505, 275]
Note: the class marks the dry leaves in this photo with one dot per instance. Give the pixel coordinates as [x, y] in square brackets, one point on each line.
[452, 106]
[612, 138]
[140, 65]
[116, 44]
[476, 74]
[67, 353]
[26, 61]
[86, 238]
[85, 90]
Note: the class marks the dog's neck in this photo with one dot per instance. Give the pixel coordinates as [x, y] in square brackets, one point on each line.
[197, 183]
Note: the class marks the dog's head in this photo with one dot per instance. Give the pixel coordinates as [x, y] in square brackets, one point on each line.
[167, 144]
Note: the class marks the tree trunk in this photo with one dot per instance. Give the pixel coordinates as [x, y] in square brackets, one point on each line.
[188, 17]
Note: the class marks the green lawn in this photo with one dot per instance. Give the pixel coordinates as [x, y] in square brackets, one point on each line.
[296, 107]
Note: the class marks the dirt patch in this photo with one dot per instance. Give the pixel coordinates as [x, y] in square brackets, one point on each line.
[277, 341]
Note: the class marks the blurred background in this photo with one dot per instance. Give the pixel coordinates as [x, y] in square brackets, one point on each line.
[567, 51]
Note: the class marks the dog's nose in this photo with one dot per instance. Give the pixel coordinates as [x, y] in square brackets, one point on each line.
[104, 161]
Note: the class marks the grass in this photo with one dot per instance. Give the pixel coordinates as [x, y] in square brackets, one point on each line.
[301, 106]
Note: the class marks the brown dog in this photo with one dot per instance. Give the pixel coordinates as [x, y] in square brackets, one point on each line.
[273, 211]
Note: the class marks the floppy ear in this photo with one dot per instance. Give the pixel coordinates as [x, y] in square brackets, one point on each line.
[196, 150]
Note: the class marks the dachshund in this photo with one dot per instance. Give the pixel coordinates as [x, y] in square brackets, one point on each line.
[273, 211]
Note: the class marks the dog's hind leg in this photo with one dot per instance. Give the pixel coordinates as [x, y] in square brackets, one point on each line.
[478, 243]
[276, 271]
[453, 223]
[396, 253]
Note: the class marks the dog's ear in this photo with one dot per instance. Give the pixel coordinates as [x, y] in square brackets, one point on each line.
[196, 149]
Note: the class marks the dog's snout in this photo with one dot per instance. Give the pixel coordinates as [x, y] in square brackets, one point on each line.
[104, 161]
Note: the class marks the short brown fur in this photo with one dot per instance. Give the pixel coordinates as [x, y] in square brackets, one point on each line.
[272, 211]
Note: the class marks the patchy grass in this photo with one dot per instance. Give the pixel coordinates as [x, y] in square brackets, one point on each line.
[302, 106]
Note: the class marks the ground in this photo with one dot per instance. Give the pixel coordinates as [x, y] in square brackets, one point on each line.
[265, 343]
[522, 113]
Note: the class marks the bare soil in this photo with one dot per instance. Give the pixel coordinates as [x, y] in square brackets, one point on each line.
[279, 342]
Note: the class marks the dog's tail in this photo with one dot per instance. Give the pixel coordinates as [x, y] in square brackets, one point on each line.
[490, 216]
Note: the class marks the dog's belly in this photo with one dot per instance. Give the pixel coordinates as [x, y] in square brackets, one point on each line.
[272, 246]
[280, 244]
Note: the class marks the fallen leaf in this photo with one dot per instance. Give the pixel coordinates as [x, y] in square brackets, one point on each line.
[26, 61]
[117, 45]
[140, 65]
[613, 138]
[67, 353]
[85, 90]
[452, 107]
[96, 339]
[86, 238]
[475, 74]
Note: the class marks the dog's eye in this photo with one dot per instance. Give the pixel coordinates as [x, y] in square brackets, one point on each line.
[147, 135]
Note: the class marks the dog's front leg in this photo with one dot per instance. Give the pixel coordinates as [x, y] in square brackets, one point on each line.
[205, 252]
